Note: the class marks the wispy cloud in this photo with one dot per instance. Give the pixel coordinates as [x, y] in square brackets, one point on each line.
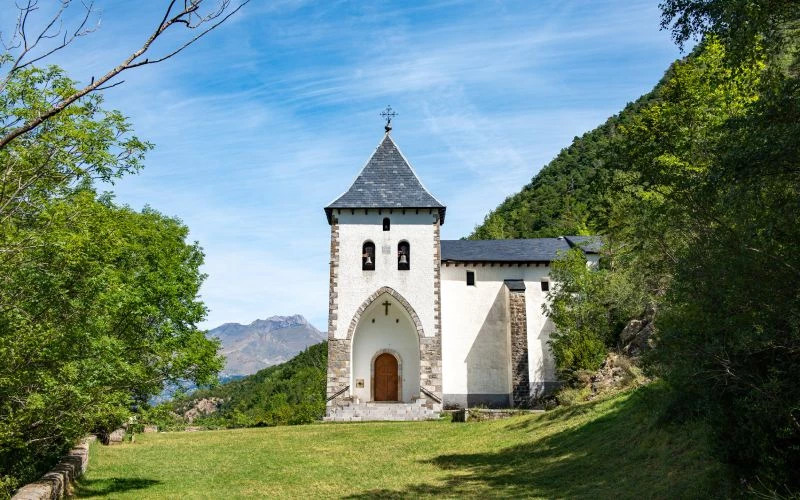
[263, 122]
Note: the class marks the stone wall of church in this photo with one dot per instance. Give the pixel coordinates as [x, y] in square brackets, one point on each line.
[476, 334]
[338, 350]
[518, 325]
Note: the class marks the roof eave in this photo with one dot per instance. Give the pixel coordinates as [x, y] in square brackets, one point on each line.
[499, 261]
[329, 211]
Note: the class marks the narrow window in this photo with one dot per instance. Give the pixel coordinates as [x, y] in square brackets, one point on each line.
[368, 256]
[545, 285]
[403, 256]
[386, 224]
[470, 278]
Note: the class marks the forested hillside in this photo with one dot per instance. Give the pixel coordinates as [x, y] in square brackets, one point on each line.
[289, 393]
[563, 197]
[696, 188]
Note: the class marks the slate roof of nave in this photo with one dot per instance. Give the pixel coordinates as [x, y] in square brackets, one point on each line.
[386, 181]
[521, 250]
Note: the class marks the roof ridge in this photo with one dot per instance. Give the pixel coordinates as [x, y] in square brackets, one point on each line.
[413, 170]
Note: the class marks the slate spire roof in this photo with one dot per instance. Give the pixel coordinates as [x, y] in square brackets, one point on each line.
[386, 181]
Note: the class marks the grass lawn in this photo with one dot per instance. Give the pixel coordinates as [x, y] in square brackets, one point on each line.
[612, 448]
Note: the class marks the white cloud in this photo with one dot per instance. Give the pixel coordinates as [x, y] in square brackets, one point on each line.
[263, 122]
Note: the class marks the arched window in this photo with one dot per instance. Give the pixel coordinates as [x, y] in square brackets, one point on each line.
[403, 256]
[368, 256]
[386, 224]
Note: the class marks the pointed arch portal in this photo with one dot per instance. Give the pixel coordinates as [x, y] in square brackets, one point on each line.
[384, 337]
[377, 326]
[372, 298]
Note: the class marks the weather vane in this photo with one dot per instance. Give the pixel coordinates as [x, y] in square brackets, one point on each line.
[388, 114]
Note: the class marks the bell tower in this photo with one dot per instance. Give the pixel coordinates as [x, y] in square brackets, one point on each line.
[385, 294]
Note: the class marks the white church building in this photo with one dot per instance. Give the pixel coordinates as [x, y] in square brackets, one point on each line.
[417, 324]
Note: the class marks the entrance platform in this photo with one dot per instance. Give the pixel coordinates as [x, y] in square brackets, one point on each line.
[345, 410]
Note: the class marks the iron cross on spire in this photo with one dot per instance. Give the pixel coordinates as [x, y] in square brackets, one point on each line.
[388, 114]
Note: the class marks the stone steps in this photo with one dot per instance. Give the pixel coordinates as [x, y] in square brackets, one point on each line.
[364, 412]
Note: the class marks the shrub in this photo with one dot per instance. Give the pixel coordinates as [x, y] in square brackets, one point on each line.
[589, 307]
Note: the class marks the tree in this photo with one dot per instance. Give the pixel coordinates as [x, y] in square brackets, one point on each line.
[80, 145]
[730, 329]
[98, 314]
[29, 51]
[744, 27]
[589, 307]
[98, 303]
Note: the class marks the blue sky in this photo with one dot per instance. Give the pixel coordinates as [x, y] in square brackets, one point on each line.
[261, 124]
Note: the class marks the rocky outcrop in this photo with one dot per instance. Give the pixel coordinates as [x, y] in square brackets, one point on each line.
[114, 437]
[201, 407]
[617, 372]
[117, 436]
[637, 336]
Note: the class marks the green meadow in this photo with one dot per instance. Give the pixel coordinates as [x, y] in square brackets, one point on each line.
[615, 447]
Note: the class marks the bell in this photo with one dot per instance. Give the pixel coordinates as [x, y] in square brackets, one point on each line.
[369, 260]
[403, 258]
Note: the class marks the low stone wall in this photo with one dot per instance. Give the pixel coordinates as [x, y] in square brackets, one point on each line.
[479, 414]
[57, 482]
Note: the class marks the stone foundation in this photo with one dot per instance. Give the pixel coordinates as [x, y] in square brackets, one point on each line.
[478, 415]
[346, 411]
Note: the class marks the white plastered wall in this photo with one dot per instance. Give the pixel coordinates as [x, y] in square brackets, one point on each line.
[475, 329]
[416, 285]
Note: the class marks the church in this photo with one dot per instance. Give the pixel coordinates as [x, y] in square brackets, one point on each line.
[417, 324]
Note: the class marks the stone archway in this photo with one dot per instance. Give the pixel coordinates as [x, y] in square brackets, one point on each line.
[368, 302]
[385, 327]
[340, 381]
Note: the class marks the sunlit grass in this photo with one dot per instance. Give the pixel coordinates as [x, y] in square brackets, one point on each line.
[616, 447]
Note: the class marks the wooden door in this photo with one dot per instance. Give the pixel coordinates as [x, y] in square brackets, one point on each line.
[386, 378]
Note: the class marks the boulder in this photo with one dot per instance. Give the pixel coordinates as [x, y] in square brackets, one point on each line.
[637, 336]
[117, 436]
[629, 332]
[641, 341]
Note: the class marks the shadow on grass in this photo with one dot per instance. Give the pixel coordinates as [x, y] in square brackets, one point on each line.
[624, 453]
[88, 488]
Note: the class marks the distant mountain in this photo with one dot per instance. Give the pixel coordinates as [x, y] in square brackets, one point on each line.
[264, 342]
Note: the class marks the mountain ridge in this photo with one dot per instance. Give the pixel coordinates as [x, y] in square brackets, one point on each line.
[262, 343]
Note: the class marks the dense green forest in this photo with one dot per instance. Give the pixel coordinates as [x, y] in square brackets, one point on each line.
[286, 394]
[562, 197]
[696, 190]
